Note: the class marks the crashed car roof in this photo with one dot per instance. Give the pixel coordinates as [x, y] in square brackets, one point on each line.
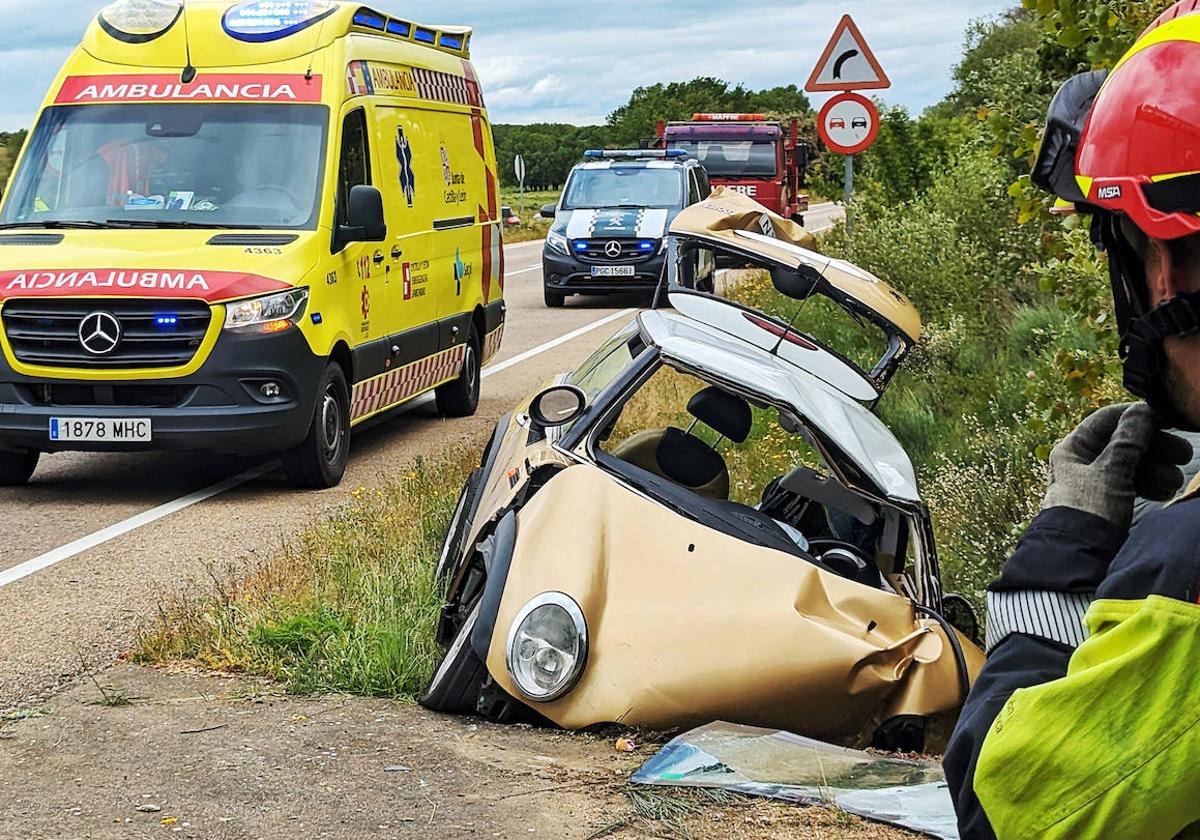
[847, 424]
[736, 221]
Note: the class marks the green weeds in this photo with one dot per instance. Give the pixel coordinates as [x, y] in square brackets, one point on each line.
[350, 606]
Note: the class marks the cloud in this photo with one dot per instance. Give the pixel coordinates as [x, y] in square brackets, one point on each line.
[576, 63]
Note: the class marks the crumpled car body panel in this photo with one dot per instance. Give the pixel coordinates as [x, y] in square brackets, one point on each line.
[687, 624]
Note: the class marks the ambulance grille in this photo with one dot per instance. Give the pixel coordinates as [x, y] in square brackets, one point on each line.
[154, 333]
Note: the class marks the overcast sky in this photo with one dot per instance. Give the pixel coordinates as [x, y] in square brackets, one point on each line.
[575, 62]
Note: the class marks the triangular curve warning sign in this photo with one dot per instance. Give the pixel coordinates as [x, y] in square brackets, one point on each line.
[847, 63]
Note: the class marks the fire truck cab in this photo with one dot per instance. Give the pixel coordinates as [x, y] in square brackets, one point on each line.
[749, 153]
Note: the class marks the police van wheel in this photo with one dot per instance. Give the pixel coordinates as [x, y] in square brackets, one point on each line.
[16, 468]
[554, 299]
[319, 462]
[460, 397]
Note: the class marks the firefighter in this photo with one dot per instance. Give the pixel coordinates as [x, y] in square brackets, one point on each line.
[1085, 722]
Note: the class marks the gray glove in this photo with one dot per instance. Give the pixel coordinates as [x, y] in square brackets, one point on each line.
[1114, 456]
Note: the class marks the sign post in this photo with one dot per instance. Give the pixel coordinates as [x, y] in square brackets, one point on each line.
[849, 122]
[519, 171]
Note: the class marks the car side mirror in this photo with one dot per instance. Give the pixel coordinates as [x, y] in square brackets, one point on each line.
[799, 283]
[548, 211]
[364, 217]
[557, 406]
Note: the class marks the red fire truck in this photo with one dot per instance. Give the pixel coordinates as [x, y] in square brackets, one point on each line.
[750, 153]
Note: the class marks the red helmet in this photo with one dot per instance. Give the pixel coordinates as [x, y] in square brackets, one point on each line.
[1126, 144]
[1139, 153]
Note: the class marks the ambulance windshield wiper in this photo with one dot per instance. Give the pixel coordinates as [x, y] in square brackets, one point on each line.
[55, 224]
[175, 225]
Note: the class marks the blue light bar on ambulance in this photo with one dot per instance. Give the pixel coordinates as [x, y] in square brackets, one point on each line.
[636, 154]
[398, 27]
[426, 36]
[259, 21]
[370, 20]
[454, 42]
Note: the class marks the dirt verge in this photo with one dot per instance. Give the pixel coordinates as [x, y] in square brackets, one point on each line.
[222, 759]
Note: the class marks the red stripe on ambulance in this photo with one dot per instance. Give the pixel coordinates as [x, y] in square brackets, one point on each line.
[211, 286]
[166, 87]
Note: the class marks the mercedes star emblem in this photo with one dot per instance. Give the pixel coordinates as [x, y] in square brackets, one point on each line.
[100, 333]
[613, 249]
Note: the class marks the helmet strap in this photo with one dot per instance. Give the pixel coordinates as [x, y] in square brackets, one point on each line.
[1142, 329]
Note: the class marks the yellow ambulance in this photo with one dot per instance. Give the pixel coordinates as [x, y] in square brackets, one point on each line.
[247, 227]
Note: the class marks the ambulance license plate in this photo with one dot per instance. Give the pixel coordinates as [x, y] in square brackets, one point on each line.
[612, 271]
[100, 429]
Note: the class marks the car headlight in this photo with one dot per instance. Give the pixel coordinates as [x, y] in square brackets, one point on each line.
[555, 241]
[547, 647]
[267, 314]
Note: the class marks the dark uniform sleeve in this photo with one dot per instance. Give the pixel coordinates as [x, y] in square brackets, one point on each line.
[1059, 562]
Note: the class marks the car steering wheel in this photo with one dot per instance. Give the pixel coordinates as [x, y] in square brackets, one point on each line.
[846, 560]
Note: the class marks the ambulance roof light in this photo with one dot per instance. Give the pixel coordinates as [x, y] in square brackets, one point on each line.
[139, 21]
[371, 20]
[260, 21]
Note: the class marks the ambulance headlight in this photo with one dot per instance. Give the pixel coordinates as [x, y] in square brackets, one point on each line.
[547, 647]
[138, 21]
[556, 242]
[267, 314]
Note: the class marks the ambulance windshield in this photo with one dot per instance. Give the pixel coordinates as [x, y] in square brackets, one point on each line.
[163, 164]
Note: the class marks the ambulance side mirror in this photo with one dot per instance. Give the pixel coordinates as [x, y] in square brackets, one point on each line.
[364, 217]
[549, 211]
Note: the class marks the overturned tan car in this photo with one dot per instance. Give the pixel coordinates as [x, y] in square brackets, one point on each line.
[705, 520]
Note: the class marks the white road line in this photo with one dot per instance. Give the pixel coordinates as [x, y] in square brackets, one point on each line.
[112, 532]
[102, 536]
[550, 345]
[522, 271]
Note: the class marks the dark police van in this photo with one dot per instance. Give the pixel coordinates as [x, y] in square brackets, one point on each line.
[609, 231]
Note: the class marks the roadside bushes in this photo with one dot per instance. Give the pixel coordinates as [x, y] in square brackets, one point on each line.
[1016, 351]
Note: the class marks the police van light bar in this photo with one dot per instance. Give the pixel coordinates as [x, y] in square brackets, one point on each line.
[635, 154]
[729, 117]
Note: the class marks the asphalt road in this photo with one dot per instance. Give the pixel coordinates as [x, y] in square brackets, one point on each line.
[96, 539]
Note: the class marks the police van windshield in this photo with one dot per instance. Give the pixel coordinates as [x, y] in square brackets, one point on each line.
[732, 158]
[162, 164]
[624, 186]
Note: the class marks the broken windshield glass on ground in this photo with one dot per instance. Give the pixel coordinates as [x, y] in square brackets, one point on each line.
[779, 765]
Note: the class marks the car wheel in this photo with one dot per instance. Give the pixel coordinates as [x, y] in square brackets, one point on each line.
[460, 398]
[553, 299]
[798, 219]
[319, 461]
[455, 686]
[452, 548]
[17, 467]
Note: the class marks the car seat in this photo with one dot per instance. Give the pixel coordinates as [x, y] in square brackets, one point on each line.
[685, 459]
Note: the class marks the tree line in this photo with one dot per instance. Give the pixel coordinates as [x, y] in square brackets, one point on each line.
[10, 147]
[551, 149]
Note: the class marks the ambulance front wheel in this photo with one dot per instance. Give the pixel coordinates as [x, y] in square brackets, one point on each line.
[17, 467]
[460, 397]
[319, 462]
